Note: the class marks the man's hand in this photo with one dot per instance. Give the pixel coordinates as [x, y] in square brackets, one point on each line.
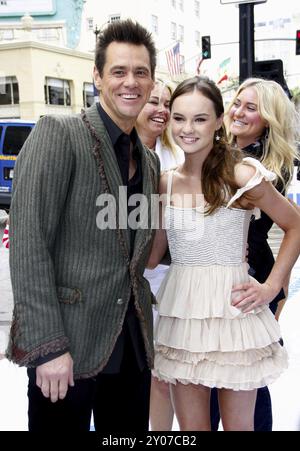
[252, 295]
[54, 377]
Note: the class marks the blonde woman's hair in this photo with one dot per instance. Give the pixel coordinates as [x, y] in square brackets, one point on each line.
[273, 105]
[166, 137]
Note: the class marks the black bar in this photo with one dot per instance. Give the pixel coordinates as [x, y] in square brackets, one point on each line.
[246, 13]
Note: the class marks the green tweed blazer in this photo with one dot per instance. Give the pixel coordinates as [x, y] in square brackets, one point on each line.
[72, 281]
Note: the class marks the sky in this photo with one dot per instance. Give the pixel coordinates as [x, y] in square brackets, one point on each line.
[221, 22]
[217, 18]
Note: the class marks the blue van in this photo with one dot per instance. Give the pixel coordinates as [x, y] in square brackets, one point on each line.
[13, 134]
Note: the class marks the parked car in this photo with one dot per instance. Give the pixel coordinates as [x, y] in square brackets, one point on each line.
[13, 134]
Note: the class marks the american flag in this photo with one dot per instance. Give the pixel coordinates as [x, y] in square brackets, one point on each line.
[173, 60]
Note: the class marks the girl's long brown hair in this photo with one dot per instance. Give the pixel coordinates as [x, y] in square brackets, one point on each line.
[218, 181]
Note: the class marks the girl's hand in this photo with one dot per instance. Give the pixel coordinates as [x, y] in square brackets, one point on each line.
[253, 295]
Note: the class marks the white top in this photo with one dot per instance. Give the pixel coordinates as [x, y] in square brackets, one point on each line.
[216, 239]
[167, 161]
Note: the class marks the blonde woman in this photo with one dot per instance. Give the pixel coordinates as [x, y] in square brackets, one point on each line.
[263, 122]
[152, 127]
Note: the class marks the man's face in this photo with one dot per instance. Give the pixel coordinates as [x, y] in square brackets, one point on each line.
[126, 82]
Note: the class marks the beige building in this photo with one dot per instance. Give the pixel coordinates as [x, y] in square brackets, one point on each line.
[38, 79]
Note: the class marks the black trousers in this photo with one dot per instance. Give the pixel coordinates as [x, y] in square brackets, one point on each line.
[119, 402]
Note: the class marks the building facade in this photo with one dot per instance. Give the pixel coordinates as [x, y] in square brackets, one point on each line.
[47, 46]
[170, 21]
[55, 21]
[41, 71]
[39, 79]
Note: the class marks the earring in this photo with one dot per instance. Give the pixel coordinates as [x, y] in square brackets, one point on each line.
[267, 134]
[217, 136]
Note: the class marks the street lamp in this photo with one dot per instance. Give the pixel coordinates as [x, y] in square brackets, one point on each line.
[96, 33]
[97, 30]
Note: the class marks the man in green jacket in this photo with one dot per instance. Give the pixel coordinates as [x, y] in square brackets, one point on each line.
[82, 321]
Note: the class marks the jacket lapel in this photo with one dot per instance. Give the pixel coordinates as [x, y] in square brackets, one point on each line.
[110, 163]
[143, 235]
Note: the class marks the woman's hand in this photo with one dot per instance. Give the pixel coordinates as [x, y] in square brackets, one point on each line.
[253, 294]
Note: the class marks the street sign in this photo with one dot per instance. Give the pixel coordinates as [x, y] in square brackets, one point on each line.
[269, 70]
[227, 2]
[14, 8]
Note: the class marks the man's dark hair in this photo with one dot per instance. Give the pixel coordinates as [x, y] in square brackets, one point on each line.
[125, 31]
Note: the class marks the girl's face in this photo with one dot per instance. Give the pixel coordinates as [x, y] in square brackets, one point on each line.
[245, 122]
[194, 122]
[155, 115]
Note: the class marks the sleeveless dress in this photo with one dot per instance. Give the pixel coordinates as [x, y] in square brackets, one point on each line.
[168, 161]
[200, 337]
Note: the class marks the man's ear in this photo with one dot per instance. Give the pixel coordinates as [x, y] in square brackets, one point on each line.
[97, 78]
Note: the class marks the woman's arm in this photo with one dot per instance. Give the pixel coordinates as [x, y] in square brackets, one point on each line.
[287, 217]
[160, 243]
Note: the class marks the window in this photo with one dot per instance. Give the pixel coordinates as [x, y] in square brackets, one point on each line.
[15, 137]
[181, 5]
[88, 94]
[197, 8]
[197, 38]
[181, 33]
[90, 23]
[114, 17]
[173, 31]
[7, 35]
[154, 24]
[9, 91]
[48, 34]
[57, 92]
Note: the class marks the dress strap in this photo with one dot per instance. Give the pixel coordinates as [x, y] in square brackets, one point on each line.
[169, 186]
[261, 173]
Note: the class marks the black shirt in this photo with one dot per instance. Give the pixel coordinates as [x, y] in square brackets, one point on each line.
[122, 143]
[260, 256]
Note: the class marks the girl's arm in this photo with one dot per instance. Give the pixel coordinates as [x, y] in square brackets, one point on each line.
[287, 217]
[160, 243]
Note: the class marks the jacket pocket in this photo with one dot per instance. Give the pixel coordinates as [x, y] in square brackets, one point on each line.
[69, 295]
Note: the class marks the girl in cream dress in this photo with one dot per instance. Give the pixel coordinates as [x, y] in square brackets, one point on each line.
[214, 327]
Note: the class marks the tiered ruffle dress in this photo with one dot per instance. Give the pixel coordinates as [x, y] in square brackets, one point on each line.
[200, 337]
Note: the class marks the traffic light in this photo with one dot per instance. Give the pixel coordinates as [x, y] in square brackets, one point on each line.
[206, 53]
[298, 42]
